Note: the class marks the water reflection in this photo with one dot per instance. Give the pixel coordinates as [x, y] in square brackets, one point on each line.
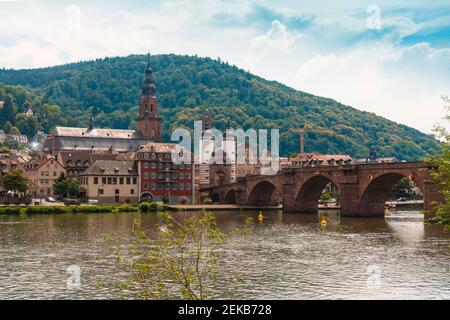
[286, 256]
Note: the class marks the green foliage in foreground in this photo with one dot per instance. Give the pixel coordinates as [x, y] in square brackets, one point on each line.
[177, 259]
[187, 86]
[441, 173]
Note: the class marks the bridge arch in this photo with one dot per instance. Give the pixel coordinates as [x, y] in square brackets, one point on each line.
[146, 196]
[230, 197]
[309, 194]
[215, 197]
[264, 193]
[373, 197]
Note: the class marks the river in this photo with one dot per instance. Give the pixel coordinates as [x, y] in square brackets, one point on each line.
[286, 256]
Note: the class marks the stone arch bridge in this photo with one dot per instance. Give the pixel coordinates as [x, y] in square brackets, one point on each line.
[363, 187]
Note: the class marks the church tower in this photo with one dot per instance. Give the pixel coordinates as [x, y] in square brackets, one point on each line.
[149, 123]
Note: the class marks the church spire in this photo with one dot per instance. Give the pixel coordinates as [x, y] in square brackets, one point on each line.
[149, 123]
[149, 88]
[91, 123]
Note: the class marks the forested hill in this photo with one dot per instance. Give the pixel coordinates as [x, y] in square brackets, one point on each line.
[187, 86]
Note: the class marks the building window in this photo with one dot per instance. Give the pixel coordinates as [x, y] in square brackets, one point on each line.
[128, 180]
[95, 180]
[109, 180]
[117, 191]
[120, 180]
[160, 165]
[167, 187]
[145, 164]
[153, 165]
[153, 186]
[131, 191]
[145, 175]
[145, 186]
[174, 186]
[145, 155]
[100, 191]
[103, 180]
[181, 175]
[188, 186]
[181, 186]
[114, 180]
[153, 175]
[153, 156]
[134, 180]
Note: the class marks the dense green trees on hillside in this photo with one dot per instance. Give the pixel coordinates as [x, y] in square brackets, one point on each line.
[187, 86]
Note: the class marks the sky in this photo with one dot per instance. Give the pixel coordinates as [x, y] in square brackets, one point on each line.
[391, 58]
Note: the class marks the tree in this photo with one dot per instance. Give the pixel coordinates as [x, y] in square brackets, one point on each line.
[325, 197]
[16, 181]
[441, 172]
[165, 199]
[67, 187]
[175, 260]
[27, 125]
[7, 127]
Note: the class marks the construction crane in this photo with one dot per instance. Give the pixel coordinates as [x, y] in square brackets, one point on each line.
[302, 136]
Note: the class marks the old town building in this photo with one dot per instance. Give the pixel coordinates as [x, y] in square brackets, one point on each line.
[77, 161]
[42, 174]
[111, 182]
[11, 160]
[160, 177]
[312, 159]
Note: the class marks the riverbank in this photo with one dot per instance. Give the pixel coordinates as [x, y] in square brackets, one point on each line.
[143, 208]
[217, 207]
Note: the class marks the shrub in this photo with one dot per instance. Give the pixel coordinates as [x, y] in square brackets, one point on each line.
[144, 206]
[44, 210]
[151, 207]
[9, 210]
[128, 209]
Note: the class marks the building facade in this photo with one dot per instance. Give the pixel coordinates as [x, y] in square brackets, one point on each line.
[42, 174]
[77, 161]
[160, 177]
[111, 182]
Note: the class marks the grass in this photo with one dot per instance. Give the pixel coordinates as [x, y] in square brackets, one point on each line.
[67, 209]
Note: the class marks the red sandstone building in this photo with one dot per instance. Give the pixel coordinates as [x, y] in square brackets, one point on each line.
[160, 177]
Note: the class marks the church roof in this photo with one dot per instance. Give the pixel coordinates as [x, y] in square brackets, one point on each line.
[97, 133]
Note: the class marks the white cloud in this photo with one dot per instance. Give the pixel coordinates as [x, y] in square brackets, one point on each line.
[276, 41]
[401, 84]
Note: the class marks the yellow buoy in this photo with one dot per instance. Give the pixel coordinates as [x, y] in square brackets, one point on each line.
[260, 216]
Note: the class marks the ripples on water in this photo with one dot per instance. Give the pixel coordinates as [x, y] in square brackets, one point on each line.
[287, 256]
